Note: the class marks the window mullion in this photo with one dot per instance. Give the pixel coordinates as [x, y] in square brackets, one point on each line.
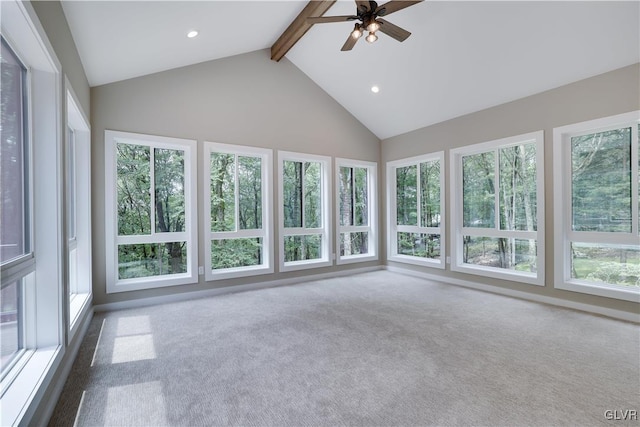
[302, 196]
[236, 194]
[634, 179]
[152, 185]
[496, 188]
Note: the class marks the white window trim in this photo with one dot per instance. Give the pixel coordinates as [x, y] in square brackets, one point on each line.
[266, 156]
[21, 388]
[372, 228]
[326, 258]
[394, 228]
[80, 296]
[458, 231]
[190, 234]
[562, 209]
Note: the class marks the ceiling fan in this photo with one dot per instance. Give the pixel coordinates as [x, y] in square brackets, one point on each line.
[368, 13]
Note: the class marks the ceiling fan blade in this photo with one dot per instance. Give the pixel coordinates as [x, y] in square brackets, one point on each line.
[350, 43]
[326, 19]
[392, 30]
[394, 6]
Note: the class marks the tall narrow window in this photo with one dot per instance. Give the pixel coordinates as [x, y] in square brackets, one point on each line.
[499, 209]
[15, 225]
[416, 210]
[597, 207]
[304, 211]
[238, 206]
[356, 209]
[151, 208]
[78, 210]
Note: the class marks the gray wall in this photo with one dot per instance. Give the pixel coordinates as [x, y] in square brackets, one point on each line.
[246, 100]
[600, 96]
[55, 25]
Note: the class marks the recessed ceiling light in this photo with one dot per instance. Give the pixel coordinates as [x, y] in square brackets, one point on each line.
[191, 34]
[375, 89]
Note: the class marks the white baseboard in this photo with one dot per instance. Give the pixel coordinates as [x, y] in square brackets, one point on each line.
[185, 296]
[589, 308]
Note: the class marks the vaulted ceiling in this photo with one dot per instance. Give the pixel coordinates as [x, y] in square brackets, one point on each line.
[461, 57]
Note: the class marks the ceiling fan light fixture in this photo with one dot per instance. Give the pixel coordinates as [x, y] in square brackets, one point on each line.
[373, 26]
[357, 32]
[371, 38]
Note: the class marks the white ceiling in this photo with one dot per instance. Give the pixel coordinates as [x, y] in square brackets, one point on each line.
[461, 57]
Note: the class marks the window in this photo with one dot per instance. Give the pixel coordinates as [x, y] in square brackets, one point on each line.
[151, 205]
[304, 211]
[31, 239]
[498, 209]
[78, 209]
[238, 194]
[356, 210]
[15, 220]
[596, 200]
[415, 188]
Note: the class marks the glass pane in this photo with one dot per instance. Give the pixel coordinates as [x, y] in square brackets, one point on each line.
[10, 322]
[71, 184]
[154, 259]
[230, 253]
[292, 193]
[223, 193]
[419, 245]
[346, 196]
[430, 194]
[133, 187]
[406, 195]
[312, 195]
[478, 191]
[361, 187]
[601, 181]
[13, 158]
[518, 205]
[73, 271]
[354, 243]
[169, 185]
[249, 193]
[507, 253]
[606, 264]
[300, 248]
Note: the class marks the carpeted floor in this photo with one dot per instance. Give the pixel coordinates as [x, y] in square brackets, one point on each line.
[369, 350]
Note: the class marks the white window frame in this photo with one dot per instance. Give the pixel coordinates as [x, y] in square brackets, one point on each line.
[458, 230]
[372, 212]
[41, 271]
[79, 271]
[392, 212]
[564, 234]
[266, 232]
[324, 231]
[190, 236]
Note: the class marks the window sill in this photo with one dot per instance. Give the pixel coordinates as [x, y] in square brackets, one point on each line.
[498, 273]
[303, 265]
[630, 294]
[425, 262]
[232, 273]
[77, 304]
[356, 258]
[20, 394]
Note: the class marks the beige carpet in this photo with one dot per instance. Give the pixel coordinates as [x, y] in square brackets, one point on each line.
[368, 350]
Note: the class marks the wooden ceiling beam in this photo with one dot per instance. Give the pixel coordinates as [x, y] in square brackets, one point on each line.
[299, 27]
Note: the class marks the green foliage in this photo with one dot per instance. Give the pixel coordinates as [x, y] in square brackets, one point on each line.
[231, 253]
[478, 198]
[603, 158]
[419, 245]
[300, 248]
[146, 260]
[133, 164]
[406, 195]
